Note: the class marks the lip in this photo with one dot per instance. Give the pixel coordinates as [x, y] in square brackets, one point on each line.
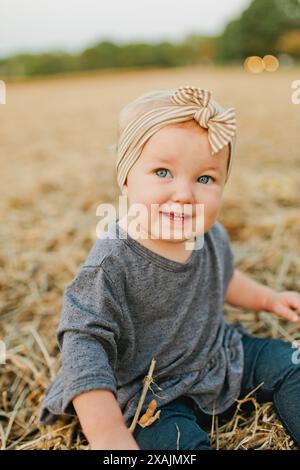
[175, 219]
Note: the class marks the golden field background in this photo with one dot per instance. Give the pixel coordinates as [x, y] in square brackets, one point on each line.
[56, 169]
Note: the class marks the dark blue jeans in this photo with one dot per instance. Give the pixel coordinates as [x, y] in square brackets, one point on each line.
[271, 361]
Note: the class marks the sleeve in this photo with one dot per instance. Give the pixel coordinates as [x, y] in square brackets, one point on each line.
[228, 255]
[88, 334]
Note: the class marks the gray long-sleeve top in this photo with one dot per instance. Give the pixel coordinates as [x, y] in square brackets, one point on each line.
[127, 305]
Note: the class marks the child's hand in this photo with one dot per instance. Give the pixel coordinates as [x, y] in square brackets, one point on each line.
[283, 303]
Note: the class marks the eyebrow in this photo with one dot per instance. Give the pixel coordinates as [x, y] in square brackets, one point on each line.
[165, 160]
[156, 161]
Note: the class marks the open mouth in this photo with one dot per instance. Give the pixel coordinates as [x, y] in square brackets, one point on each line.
[175, 217]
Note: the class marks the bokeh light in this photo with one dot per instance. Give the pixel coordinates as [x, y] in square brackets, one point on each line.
[254, 64]
[270, 62]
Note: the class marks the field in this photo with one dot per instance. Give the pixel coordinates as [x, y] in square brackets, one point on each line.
[57, 167]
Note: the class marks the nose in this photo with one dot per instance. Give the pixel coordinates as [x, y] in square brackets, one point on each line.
[183, 192]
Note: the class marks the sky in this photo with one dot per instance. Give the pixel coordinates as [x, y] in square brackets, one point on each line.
[73, 25]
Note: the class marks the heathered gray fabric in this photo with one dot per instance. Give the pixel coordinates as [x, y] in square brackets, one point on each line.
[127, 305]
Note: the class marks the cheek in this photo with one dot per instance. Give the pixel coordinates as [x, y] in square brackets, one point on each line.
[136, 192]
[143, 197]
[210, 196]
[212, 203]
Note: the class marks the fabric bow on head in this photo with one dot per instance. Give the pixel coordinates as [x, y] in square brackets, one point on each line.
[186, 103]
[221, 124]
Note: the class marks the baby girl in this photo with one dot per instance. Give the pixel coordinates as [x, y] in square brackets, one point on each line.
[154, 286]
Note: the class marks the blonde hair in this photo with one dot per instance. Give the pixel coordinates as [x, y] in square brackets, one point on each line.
[142, 104]
[139, 106]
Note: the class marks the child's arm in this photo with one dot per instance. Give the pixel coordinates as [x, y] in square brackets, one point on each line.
[91, 325]
[246, 293]
[102, 421]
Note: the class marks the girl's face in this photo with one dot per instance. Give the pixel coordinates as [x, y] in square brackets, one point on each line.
[177, 170]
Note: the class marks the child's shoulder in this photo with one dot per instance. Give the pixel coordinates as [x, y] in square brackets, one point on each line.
[108, 252]
[219, 233]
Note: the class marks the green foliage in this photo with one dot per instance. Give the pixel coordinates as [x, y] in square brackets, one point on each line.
[193, 50]
[29, 65]
[258, 29]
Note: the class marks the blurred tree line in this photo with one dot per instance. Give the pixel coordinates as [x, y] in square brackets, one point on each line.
[265, 27]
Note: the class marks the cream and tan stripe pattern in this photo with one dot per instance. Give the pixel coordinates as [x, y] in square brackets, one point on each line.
[186, 103]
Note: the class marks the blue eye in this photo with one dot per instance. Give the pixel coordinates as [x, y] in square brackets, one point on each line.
[206, 176]
[161, 170]
[163, 173]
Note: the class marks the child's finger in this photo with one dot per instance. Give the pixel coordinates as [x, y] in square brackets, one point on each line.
[290, 300]
[287, 313]
[294, 300]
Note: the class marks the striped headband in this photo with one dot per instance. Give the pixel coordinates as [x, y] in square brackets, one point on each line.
[186, 103]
